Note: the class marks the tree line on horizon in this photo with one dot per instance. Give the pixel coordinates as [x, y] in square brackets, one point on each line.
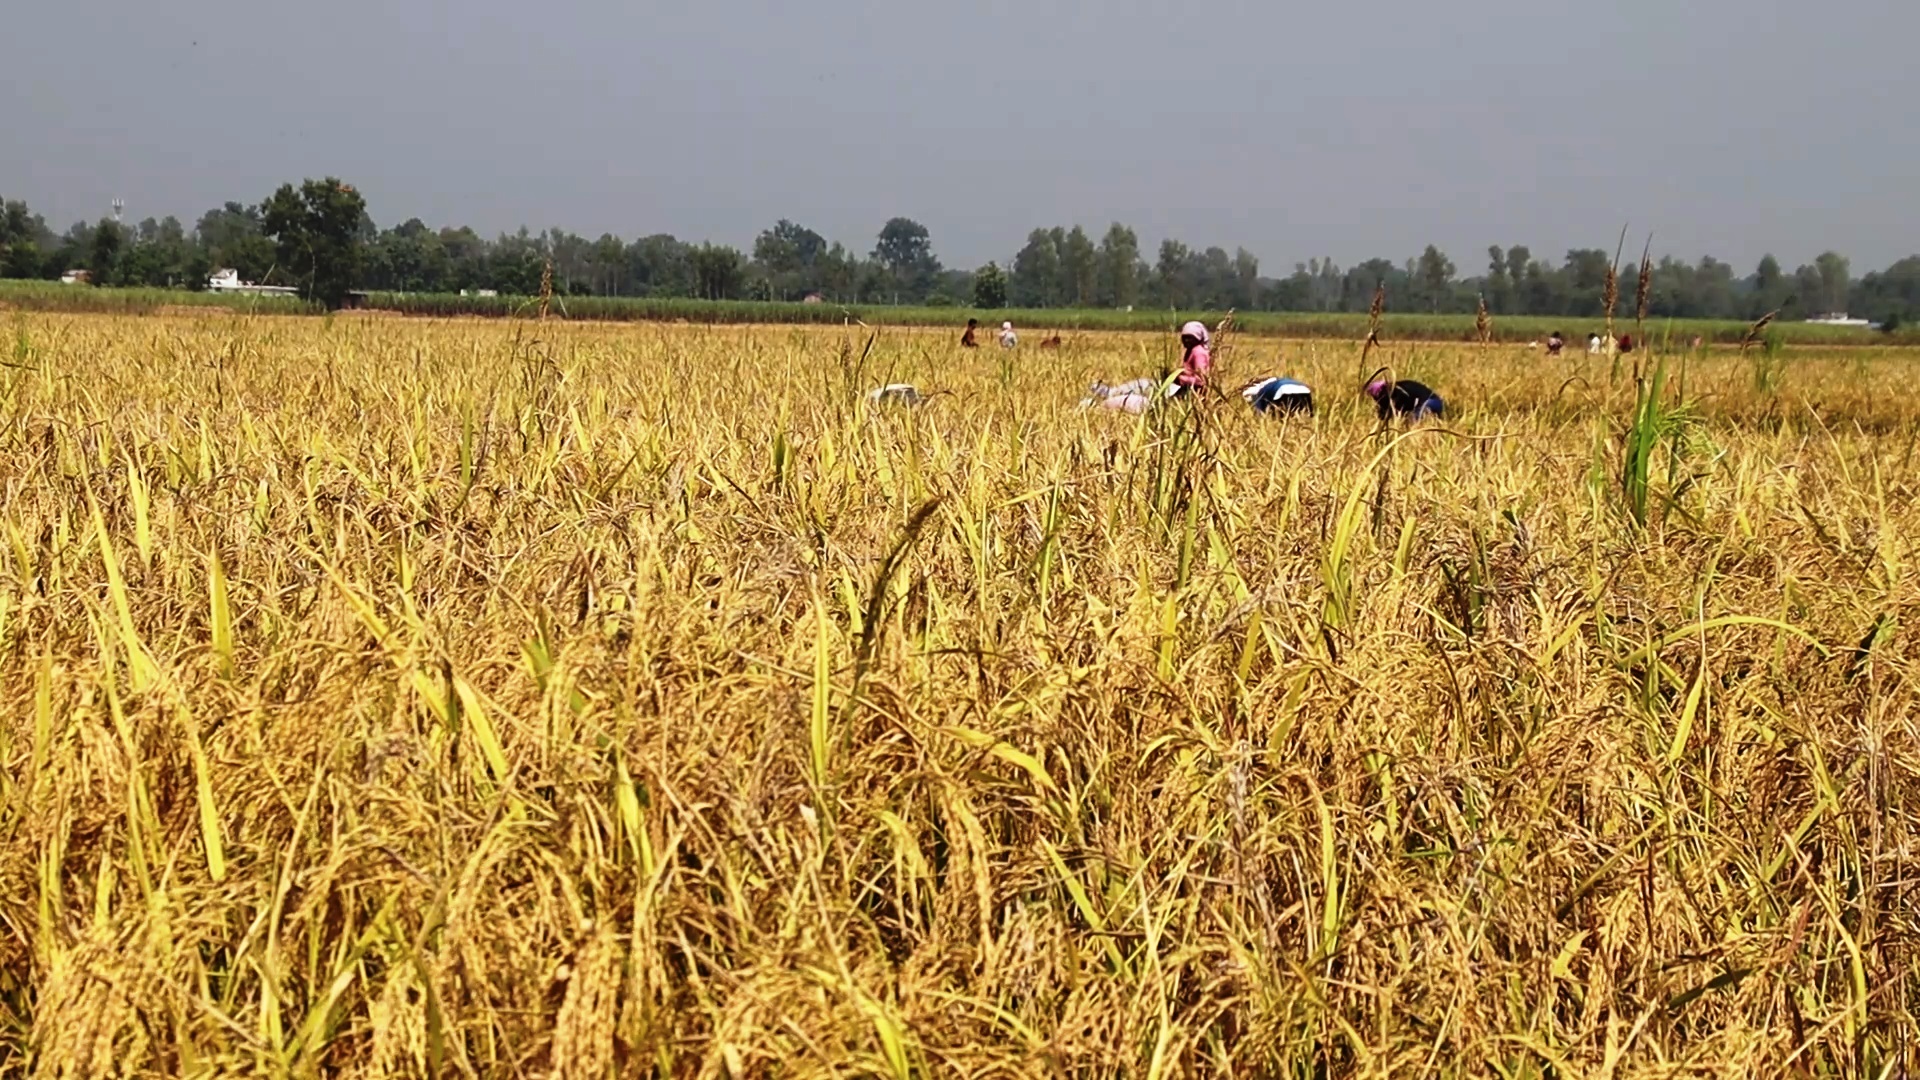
[319, 238]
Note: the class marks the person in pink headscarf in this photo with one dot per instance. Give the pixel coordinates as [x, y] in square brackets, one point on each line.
[1196, 362]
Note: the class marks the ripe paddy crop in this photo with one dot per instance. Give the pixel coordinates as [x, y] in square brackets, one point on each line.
[383, 697]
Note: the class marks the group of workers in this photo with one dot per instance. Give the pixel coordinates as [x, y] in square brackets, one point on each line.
[1395, 399]
[1595, 344]
[1274, 394]
[1008, 339]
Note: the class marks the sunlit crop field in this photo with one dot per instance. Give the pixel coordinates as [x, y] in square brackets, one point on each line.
[382, 697]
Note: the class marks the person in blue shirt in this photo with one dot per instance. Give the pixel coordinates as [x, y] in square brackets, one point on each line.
[1280, 396]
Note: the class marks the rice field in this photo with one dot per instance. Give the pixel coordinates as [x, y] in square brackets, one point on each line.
[386, 697]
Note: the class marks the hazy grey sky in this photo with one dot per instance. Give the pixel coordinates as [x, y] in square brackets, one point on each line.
[1348, 128]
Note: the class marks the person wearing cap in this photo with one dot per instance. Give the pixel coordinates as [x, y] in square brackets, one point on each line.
[1196, 362]
[1405, 399]
[1008, 339]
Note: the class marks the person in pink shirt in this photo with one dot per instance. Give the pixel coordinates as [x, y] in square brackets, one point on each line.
[1196, 364]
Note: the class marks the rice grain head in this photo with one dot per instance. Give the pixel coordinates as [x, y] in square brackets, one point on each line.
[583, 1030]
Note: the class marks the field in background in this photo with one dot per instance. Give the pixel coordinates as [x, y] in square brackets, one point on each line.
[1034, 323]
[386, 697]
[1676, 334]
[51, 296]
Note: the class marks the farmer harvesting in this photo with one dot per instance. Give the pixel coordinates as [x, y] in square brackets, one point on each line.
[1278, 395]
[1136, 396]
[1008, 339]
[1555, 343]
[1404, 399]
[1128, 397]
[967, 340]
[1196, 362]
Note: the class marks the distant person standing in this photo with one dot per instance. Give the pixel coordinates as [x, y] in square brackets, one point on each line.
[1555, 343]
[1008, 339]
[1593, 344]
[1626, 344]
[967, 340]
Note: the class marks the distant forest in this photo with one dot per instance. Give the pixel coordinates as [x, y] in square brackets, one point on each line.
[1059, 267]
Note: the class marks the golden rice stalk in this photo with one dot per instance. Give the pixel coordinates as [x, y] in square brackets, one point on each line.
[1643, 289]
[1374, 311]
[583, 1030]
[210, 832]
[141, 669]
[219, 614]
[1758, 328]
[1610, 291]
[399, 1022]
[83, 1008]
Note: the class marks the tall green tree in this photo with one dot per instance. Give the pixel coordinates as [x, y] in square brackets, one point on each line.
[1246, 280]
[905, 250]
[1808, 298]
[1520, 266]
[1769, 287]
[1119, 268]
[409, 257]
[233, 239]
[1173, 277]
[1291, 293]
[661, 266]
[104, 258]
[316, 231]
[1357, 285]
[1036, 272]
[1836, 279]
[719, 273]
[1435, 277]
[1891, 295]
[790, 255]
[1079, 267]
[517, 264]
[1499, 284]
[22, 260]
[22, 236]
[990, 288]
[839, 273]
